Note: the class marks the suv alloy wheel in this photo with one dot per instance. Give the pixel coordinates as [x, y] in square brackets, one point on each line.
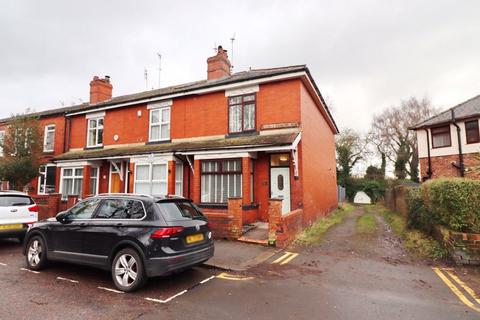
[128, 272]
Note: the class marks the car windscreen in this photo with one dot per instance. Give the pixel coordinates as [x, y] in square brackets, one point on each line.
[178, 210]
[14, 200]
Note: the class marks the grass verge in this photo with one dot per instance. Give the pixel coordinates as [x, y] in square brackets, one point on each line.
[417, 242]
[314, 234]
[367, 224]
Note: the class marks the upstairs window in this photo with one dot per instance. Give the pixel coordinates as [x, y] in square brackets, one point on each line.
[160, 124]
[471, 130]
[95, 132]
[241, 113]
[441, 137]
[49, 138]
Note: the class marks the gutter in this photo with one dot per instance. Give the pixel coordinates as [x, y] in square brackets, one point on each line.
[429, 171]
[461, 165]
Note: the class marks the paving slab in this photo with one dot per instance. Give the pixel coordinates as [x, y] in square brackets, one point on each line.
[238, 256]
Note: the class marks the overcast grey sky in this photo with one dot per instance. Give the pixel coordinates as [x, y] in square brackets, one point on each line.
[364, 55]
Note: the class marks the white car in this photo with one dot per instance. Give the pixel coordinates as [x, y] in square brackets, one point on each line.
[17, 212]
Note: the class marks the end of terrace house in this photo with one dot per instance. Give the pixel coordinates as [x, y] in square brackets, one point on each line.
[251, 146]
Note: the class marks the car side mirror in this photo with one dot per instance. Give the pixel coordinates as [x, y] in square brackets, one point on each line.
[62, 216]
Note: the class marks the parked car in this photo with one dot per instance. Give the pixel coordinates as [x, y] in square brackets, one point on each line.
[133, 236]
[17, 212]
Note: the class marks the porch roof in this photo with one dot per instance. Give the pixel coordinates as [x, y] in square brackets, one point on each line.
[227, 143]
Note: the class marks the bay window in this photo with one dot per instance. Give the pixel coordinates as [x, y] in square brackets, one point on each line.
[151, 179]
[93, 181]
[159, 124]
[179, 179]
[95, 132]
[220, 180]
[241, 113]
[72, 180]
[49, 138]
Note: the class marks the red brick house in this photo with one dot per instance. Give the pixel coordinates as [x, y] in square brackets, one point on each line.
[449, 143]
[234, 143]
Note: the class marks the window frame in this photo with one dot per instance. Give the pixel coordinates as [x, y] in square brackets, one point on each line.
[160, 123]
[48, 129]
[96, 129]
[438, 133]
[45, 178]
[179, 181]
[242, 104]
[2, 141]
[150, 180]
[94, 216]
[73, 177]
[477, 131]
[221, 172]
[97, 178]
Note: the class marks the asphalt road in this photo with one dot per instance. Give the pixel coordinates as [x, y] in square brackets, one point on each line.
[348, 277]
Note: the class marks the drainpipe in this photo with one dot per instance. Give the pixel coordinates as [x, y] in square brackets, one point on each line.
[429, 171]
[461, 165]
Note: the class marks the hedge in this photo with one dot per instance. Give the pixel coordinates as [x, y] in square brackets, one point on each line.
[451, 202]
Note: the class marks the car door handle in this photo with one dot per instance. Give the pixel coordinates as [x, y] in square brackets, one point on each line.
[13, 210]
[119, 224]
[83, 224]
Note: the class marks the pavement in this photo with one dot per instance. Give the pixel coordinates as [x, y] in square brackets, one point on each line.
[348, 276]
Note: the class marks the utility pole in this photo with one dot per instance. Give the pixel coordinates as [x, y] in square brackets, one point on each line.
[232, 39]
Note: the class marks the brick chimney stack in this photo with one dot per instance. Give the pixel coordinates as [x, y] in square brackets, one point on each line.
[218, 65]
[100, 89]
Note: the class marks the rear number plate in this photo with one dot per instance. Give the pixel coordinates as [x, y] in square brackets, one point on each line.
[11, 226]
[195, 238]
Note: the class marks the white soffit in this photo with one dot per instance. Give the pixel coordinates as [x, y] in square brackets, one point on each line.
[242, 91]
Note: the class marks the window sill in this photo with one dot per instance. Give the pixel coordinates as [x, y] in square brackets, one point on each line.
[213, 205]
[93, 148]
[242, 134]
[250, 206]
[48, 151]
[158, 142]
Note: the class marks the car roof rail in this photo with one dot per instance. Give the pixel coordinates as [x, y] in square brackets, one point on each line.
[125, 195]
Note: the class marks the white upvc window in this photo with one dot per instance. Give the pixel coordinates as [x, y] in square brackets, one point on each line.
[2, 140]
[159, 129]
[95, 132]
[151, 179]
[178, 179]
[71, 182]
[49, 138]
[46, 180]
[94, 177]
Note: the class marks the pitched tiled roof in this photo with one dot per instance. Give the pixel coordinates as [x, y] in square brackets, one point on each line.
[284, 139]
[467, 109]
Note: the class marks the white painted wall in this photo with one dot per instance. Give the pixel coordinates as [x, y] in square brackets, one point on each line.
[452, 150]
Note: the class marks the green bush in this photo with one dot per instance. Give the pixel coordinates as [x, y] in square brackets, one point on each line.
[456, 203]
[375, 189]
[419, 215]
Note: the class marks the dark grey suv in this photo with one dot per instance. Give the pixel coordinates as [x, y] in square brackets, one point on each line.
[133, 236]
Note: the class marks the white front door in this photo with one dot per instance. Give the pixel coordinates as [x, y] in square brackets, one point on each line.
[280, 186]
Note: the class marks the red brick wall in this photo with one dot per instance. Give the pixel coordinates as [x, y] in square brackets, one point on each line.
[226, 223]
[442, 166]
[317, 160]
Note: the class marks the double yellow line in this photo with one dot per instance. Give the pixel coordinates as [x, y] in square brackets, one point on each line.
[229, 276]
[286, 258]
[442, 273]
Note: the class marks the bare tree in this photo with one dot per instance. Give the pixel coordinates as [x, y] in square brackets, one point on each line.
[394, 140]
[351, 148]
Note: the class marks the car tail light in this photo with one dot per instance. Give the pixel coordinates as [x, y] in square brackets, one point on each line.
[166, 232]
[33, 208]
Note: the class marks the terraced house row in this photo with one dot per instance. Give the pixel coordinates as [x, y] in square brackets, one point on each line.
[251, 146]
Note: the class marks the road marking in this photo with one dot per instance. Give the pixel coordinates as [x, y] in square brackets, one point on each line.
[111, 290]
[286, 258]
[3, 264]
[455, 290]
[66, 279]
[227, 276]
[208, 279]
[168, 299]
[463, 285]
[32, 271]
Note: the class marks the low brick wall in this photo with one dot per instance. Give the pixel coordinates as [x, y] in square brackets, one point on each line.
[291, 226]
[395, 199]
[48, 205]
[226, 223]
[463, 247]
